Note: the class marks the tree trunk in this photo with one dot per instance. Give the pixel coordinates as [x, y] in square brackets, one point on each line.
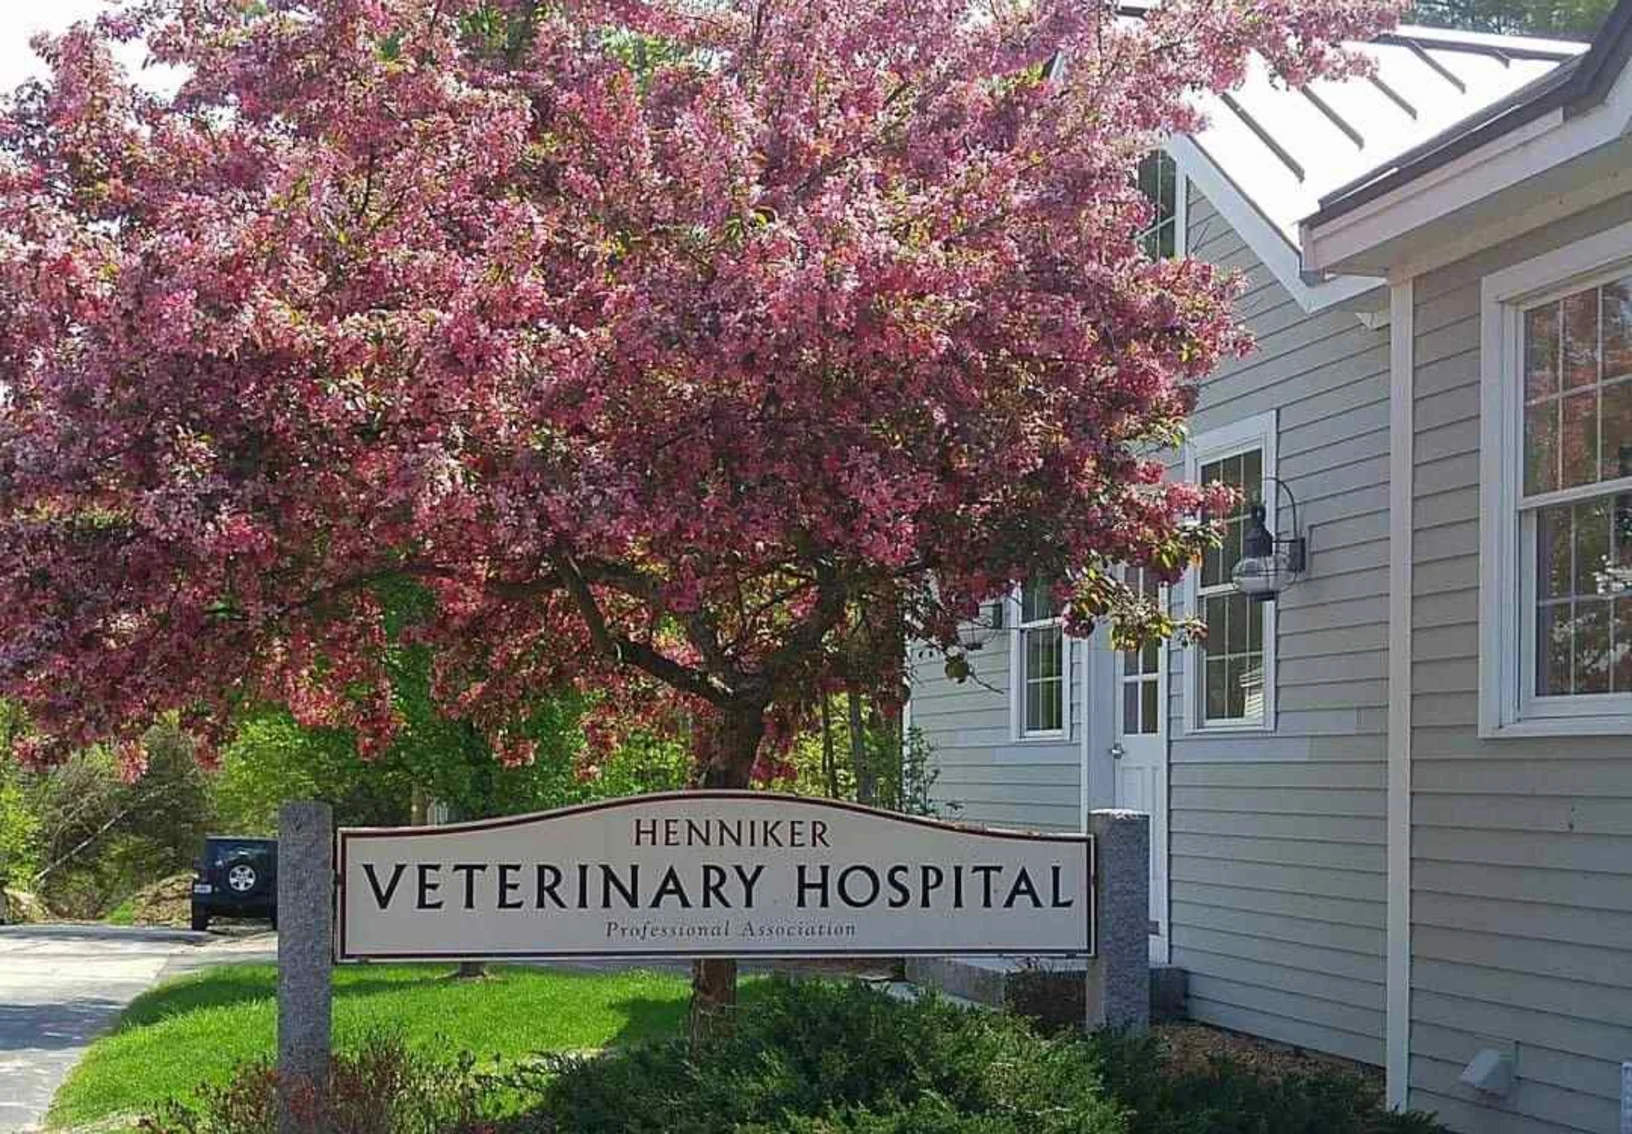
[860, 761]
[725, 746]
[830, 764]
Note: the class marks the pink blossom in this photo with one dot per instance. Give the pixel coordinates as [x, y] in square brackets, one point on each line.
[689, 375]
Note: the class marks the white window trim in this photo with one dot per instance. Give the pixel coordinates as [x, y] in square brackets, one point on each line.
[1017, 687]
[1260, 432]
[1504, 709]
[1181, 210]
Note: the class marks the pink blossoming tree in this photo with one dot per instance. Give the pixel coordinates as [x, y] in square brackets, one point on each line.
[664, 347]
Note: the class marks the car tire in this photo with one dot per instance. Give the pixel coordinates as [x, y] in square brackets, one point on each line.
[201, 920]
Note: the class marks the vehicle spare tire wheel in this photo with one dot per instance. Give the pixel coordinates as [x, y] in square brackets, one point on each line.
[242, 877]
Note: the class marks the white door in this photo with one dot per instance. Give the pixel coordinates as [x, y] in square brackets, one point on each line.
[1139, 757]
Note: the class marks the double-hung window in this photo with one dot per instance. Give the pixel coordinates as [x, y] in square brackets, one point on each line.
[1556, 650]
[1231, 685]
[1041, 693]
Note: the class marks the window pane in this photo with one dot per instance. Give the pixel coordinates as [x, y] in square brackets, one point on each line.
[1618, 328]
[1149, 585]
[1592, 546]
[1541, 447]
[1130, 707]
[1237, 616]
[1037, 601]
[1217, 702]
[1158, 182]
[1232, 549]
[1553, 569]
[1252, 686]
[1581, 339]
[1592, 647]
[1237, 688]
[1623, 646]
[1579, 439]
[1618, 430]
[1553, 640]
[1621, 531]
[1034, 707]
[1252, 478]
[1148, 691]
[1212, 567]
[1540, 351]
[1152, 657]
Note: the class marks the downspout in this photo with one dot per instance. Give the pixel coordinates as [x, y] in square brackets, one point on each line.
[1401, 450]
[1084, 730]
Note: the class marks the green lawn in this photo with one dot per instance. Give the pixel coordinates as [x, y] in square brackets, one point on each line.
[199, 1028]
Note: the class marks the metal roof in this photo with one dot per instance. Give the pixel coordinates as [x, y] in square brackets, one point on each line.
[1580, 82]
[1287, 148]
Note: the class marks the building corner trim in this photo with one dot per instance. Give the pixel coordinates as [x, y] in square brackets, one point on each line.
[1397, 1016]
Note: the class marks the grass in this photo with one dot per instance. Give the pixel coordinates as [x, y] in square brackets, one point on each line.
[122, 914]
[199, 1028]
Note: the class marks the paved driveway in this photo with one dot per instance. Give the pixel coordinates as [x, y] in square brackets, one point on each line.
[61, 986]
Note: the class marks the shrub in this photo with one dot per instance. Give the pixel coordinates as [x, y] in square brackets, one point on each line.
[820, 1057]
[1227, 1098]
[379, 1089]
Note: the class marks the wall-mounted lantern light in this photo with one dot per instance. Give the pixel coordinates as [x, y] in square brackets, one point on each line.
[1270, 563]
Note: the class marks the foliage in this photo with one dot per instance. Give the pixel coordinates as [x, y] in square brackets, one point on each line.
[19, 827]
[274, 759]
[1229, 1098]
[670, 347]
[1568, 19]
[884, 769]
[381, 1088]
[101, 829]
[198, 1030]
[821, 1057]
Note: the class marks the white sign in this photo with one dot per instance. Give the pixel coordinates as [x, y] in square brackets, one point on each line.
[710, 873]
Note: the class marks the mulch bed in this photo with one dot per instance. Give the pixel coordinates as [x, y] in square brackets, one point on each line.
[1192, 1046]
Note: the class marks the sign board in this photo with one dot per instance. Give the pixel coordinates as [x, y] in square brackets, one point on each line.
[710, 873]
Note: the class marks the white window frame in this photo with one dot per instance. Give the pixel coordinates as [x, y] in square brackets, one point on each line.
[1260, 432]
[1508, 705]
[1181, 208]
[1017, 677]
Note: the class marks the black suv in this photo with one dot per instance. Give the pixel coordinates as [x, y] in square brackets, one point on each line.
[237, 876]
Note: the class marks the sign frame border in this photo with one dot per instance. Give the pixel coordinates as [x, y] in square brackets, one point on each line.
[343, 835]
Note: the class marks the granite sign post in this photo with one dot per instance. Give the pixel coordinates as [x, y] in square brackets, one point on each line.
[305, 958]
[1119, 971]
[698, 874]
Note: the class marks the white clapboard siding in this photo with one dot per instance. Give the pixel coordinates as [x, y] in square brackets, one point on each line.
[1521, 849]
[1277, 840]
